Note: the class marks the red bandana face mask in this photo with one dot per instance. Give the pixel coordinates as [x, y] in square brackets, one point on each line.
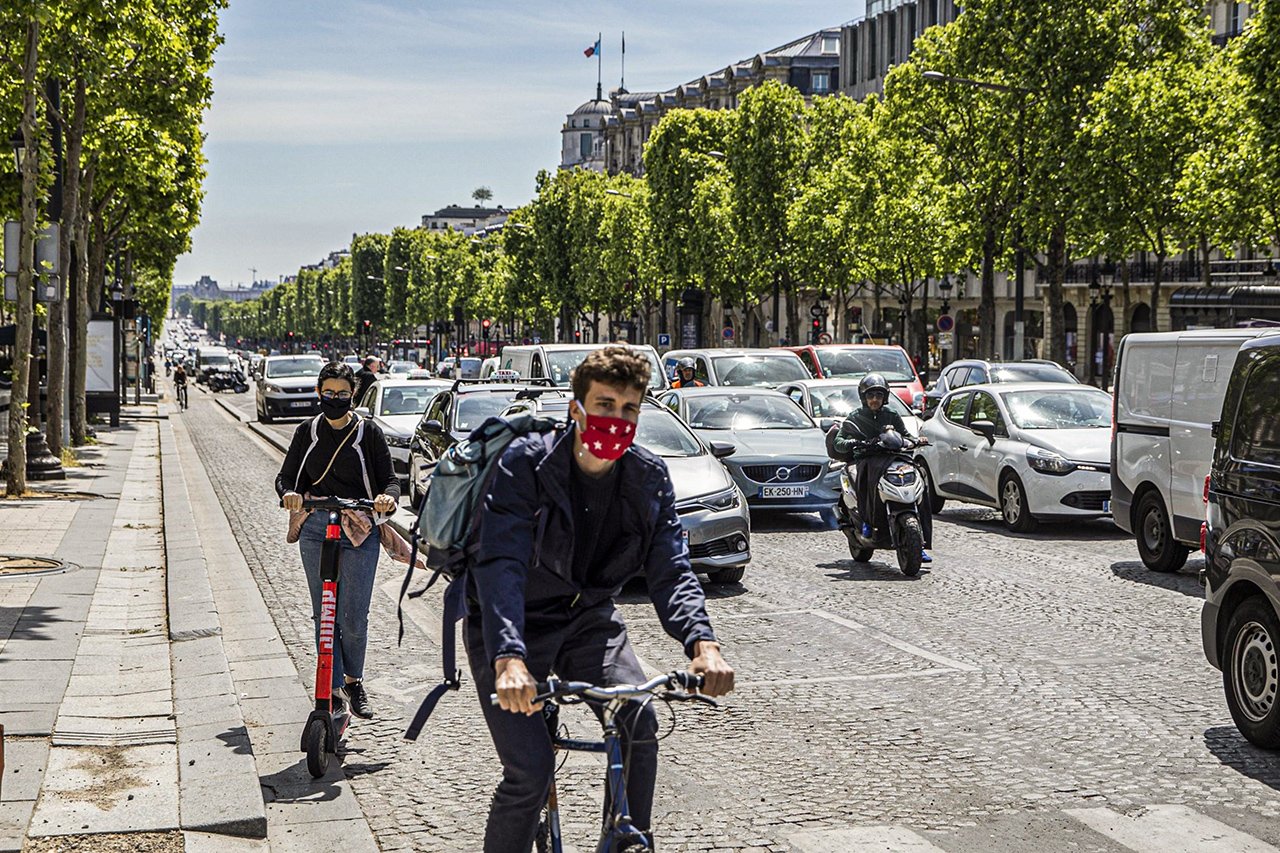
[608, 438]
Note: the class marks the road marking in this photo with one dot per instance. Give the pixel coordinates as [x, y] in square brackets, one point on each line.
[890, 640]
[1169, 829]
[837, 679]
[864, 839]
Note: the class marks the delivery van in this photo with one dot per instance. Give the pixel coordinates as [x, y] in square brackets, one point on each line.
[1169, 388]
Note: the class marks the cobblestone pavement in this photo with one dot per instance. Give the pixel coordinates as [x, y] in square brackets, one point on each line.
[977, 706]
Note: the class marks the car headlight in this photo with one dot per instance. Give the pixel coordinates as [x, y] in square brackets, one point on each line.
[397, 440]
[1048, 462]
[728, 499]
[273, 389]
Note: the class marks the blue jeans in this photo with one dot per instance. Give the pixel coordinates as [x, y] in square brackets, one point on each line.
[357, 567]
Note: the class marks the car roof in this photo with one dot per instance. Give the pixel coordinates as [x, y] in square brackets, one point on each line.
[727, 390]
[1006, 387]
[405, 382]
[844, 346]
[819, 383]
[736, 351]
[310, 355]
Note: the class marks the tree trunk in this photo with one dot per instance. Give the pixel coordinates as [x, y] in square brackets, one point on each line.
[16, 467]
[792, 294]
[1053, 322]
[1155, 292]
[1206, 274]
[74, 221]
[987, 302]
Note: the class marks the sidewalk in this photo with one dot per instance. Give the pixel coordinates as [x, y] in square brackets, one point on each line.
[147, 689]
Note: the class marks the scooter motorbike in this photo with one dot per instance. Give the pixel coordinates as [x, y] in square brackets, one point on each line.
[901, 489]
[228, 380]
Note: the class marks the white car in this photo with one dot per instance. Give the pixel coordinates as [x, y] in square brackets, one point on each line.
[830, 401]
[1035, 451]
[286, 387]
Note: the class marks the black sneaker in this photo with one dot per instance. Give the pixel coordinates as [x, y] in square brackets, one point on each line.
[359, 700]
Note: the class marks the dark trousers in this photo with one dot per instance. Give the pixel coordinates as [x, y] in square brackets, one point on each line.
[592, 647]
[872, 510]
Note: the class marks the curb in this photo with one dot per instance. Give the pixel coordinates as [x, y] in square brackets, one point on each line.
[233, 411]
[219, 790]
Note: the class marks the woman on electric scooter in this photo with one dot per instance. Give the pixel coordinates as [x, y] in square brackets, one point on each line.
[340, 454]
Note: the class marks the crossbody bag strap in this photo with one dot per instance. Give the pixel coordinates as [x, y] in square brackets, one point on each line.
[334, 458]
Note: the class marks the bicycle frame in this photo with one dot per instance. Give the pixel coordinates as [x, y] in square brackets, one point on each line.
[616, 826]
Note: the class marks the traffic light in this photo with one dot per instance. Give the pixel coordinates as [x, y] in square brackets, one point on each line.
[368, 325]
[577, 334]
[290, 335]
[486, 323]
[428, 341]
[817, 330]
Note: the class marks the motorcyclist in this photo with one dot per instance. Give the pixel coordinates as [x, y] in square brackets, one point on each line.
[863, 425]
[685, 371]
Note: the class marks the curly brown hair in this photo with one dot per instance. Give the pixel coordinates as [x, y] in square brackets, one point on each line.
[617, 366]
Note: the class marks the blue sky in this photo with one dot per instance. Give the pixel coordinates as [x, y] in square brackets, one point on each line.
[332, 117]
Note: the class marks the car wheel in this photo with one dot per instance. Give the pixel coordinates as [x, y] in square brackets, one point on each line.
[936, 502]
[1159, 551]
[1250, 672]
[1013, 505]
[263, 417]
[727, 576]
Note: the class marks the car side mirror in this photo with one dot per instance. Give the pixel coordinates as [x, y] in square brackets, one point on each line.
[986, 429]
[363, 411]
[433, 426]
[721, 449]
[917, 401]
[917, 411]
[828, 423]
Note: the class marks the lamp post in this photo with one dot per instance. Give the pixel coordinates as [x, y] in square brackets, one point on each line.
[1019, 251]
[1099, 298]
[945, 288]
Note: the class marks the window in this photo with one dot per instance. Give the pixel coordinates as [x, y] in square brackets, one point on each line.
[821, 82]
[1257, 426]
[984, 408]
[1233, 18]
[956, 378]
[977, 376]
[807, 357]
[830, 44]
[584, 145]
[796, 394]
[956, 407]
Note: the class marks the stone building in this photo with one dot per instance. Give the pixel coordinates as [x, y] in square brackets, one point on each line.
[468, 220]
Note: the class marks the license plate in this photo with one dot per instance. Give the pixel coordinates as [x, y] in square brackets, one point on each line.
[784, 491]
[1106, 506]
[301, 404]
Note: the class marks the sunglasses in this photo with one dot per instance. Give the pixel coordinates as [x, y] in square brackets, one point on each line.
[336, 395]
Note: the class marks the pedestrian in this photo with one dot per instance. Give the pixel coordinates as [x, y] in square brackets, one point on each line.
[366, 376]
[340, 454]
[561, 530]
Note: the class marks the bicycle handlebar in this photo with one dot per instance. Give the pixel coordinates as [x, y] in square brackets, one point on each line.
[335, 503]
[554, 688]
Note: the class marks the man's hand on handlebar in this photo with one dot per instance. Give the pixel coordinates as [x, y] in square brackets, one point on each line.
[516, 688]
[384, 503]
[292, 501]
[716, 673]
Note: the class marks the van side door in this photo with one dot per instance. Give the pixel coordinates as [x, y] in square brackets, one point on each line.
[1200, 375]
[1144, 395]
[1248, 483]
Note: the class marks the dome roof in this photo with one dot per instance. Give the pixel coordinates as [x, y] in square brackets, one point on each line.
[594, 108]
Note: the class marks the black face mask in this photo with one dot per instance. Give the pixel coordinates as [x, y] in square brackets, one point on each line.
[336, 408]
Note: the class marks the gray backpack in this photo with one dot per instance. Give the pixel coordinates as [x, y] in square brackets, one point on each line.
[449, 522]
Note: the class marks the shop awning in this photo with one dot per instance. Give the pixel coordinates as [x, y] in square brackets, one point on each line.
[1237, 297]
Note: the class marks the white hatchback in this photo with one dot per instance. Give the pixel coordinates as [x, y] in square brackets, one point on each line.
[1035, 451]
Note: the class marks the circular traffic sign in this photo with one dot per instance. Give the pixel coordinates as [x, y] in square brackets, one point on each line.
[817, 310]
[946, 322]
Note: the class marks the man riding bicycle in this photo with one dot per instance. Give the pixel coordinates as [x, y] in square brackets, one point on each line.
[863, 425]
[180, 384]
[561, 530]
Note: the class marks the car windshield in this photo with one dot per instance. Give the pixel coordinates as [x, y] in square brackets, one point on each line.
[892, 364]
[472, 410]
[1031, 373]
[405, 401]
[396, 367]
[746, 411]
[762, 370]
[215, 361]
[560, 364]
[285, 367]
[1066, 409]
[837, 401]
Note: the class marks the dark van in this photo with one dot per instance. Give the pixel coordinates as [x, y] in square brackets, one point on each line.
[1240, 624]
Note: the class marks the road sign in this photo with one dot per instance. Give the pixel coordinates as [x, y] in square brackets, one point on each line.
[946, 340]
[946, 323]
[817, 310]
[664, 341]
[537, 339]
[728, 333]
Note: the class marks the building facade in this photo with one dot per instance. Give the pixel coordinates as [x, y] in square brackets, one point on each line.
[468, 220]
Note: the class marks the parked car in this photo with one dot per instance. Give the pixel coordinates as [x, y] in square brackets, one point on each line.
[1035, 451]
[712, 509]
[396, 405]
[760, 368]
[853, 361]
[1240, 623]
[286, 387]
[781, 458]
[1169, 390]
[829, 402]
[450, 416]
[557, 361]
[400, 368]
[973, 371]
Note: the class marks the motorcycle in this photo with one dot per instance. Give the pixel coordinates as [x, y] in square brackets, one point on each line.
[227, 380]
[901, 488]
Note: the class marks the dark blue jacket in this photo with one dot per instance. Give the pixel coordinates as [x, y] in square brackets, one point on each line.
[523, 574]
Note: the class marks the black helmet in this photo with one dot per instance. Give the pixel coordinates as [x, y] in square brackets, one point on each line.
[872, 382]
[685, 363]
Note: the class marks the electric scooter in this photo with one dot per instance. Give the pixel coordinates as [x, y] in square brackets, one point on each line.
[328, 722]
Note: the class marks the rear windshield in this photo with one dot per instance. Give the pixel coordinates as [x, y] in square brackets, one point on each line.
[1086, 408]
[837, 401]
[215, 360]
[560, 364]
[892, 364]
[405, 401]
[746, 411]
[1031, 373]
[473, 410]
[764, 371]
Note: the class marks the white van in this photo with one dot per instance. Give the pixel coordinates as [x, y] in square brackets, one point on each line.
[557, 361]
[1168, 393]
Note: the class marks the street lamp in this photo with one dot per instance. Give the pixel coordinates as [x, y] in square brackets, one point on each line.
[1099, 297]
[19, 145]
[945, 288]
[1019, 260]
